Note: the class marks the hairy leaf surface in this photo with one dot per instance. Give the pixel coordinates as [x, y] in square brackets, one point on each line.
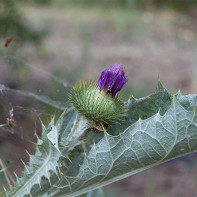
[41, 165]
[158, 128]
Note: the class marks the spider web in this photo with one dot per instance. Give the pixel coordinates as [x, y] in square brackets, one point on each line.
[28, 94]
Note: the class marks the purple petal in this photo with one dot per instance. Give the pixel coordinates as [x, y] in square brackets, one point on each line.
[119, 86]
[112, 79]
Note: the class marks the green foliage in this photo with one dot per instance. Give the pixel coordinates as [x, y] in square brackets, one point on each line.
[175, 4]
[13, 23]
[94, 193]
[41, 2]
[42, 164]
[158, 128]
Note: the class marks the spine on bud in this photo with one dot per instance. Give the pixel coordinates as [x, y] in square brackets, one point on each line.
[96, 105]
[98, 102]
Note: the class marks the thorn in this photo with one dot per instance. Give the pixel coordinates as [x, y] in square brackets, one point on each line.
[69, 159]
[35, 133]
[159, 84]
[2, 125]
[60, 173]
[41, 121]
[15, 175]
[27, 152]
[4, 188]
[63, 163]
[129, 100]
[34, 142]
[52, 120]
[49, 179]
[58, 149]
[179, 92]
[40, 186]
[65, 166]
[23, 162]
[84, 147]
[158, 77]
[53, 116]
[132, 97]
[66, 108]
[94, 142]
[7, 174]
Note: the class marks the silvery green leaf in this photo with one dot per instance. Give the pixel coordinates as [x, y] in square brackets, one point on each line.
[94, 193]
[42, 164]
[158, 128]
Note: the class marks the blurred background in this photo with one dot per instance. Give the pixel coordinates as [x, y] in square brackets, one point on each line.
[46, 46]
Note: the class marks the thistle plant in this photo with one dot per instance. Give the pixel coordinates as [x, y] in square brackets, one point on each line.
[70, 160]
[99, 102]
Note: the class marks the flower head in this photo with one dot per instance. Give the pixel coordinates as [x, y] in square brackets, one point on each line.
[96, 101]
[112, 79]
[96, 105]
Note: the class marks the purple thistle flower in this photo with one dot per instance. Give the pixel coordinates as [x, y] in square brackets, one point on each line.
[112, 79]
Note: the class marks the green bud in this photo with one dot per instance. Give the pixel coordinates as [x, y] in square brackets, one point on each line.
[95, 104]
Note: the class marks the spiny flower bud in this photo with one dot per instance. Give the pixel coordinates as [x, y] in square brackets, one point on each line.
[97, 101]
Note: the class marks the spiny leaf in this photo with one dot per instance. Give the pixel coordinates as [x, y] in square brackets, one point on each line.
[158, 128]
[94, 193]
[142, 145]
[41, 164]
[43, 169]
[144, 108]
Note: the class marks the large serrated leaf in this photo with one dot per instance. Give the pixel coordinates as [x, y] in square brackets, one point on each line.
[144, 144]
[43, 168]
[94, 193]
[41, 165]
[158, 128]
